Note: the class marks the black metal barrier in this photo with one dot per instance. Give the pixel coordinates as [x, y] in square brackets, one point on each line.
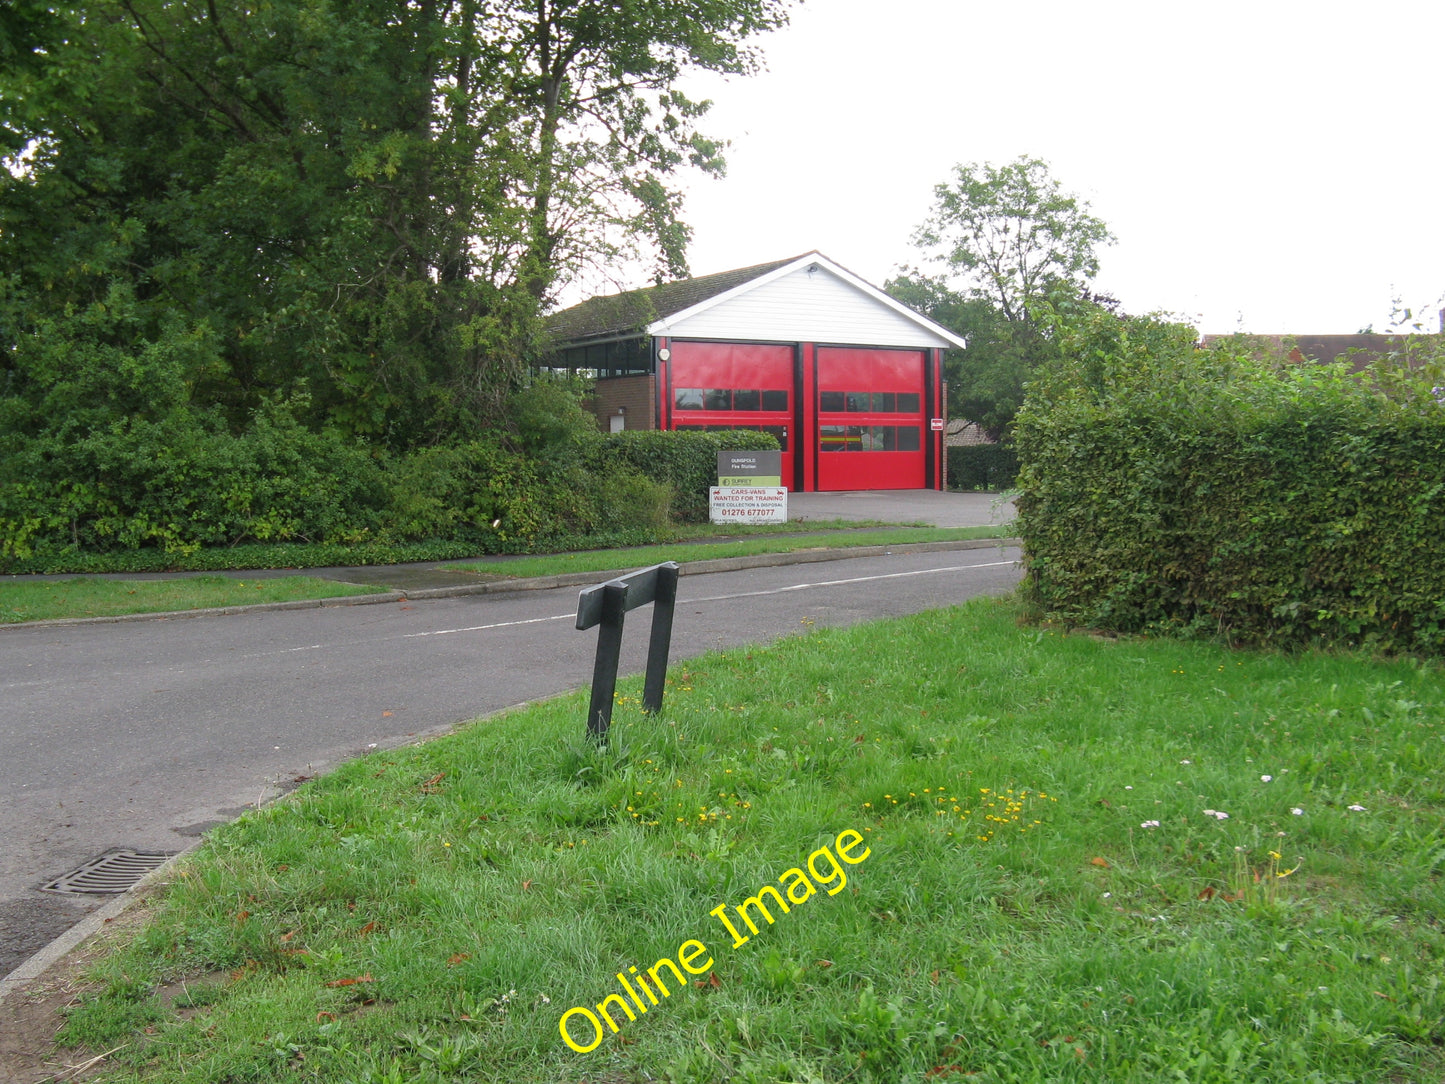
[605, 605]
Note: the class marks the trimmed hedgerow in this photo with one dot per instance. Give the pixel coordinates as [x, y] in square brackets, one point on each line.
[686, 461]
[180, 483]
[185, 493]
[1166, 488]
[982, 466]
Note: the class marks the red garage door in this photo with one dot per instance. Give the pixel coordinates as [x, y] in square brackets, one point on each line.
[871, 429]
[734, 386]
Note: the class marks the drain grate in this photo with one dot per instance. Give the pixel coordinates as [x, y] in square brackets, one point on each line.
[114, 871]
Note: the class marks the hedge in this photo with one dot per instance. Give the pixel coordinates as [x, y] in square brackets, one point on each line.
[1197, 492]
[188, 494]
[684, 460]
[982, 466]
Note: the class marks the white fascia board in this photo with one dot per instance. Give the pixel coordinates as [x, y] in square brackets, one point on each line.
[664, 326]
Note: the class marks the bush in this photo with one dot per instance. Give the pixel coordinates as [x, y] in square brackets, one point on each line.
[632, 502]
[549, 423]
[476, 492]
[982, 466]
[157, 491]
[182, 483]
[1203, 492]
[502, 501]
[684, 461]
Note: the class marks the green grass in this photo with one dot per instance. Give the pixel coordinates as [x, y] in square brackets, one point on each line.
[609, 560]
[1045, 897]
[41, 600]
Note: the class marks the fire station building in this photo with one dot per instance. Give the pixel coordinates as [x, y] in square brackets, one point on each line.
[848, 379]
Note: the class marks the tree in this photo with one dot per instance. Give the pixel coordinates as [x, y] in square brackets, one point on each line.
[356, 204]
[1008, 240]
[1012, 235]
[985, 380]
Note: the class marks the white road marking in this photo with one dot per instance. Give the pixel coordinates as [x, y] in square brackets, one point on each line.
[497, 625]
[726, 598]
[854, 579]
[682, 599]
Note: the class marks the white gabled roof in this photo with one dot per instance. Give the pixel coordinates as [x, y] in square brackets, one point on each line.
[805, 299]
[809, 299]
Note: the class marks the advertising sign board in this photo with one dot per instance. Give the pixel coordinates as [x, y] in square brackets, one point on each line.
[748, 504]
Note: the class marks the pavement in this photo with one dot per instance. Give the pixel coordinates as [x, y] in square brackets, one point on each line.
[432, 579]
[933, 507]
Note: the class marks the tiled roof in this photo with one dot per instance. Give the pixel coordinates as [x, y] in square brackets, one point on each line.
[1358, 350]
[615, 314]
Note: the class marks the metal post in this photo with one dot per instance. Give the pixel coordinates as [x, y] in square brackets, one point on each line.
[609, 651]
[661, 639]
[606, 605]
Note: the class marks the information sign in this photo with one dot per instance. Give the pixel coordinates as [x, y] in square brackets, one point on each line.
[750, 468]
[748, 504]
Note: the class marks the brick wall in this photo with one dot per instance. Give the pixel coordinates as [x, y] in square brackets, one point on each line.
[635, 394]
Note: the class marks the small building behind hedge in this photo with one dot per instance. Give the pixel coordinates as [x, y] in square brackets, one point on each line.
[849, 380]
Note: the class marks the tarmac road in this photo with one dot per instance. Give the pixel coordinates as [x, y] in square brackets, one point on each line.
[144, 734]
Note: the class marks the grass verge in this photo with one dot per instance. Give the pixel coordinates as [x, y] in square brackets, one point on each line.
[325, 554]
[1087, 860]
[637, 557]
[42, 600]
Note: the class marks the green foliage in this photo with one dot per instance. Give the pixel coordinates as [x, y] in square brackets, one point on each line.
[550, 423]
[633, 502]
[179, 482]
[268, 271]
[982, 466]
[160, 484]
[250, 555]
[161, 495]
[370, 202]
[1012, 234]
[1009, 243]
[149, 483]
[478, 492]
[503, 501]
[685, 461]
[1202, 492]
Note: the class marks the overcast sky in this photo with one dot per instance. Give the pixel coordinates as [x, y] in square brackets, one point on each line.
[1267, 166]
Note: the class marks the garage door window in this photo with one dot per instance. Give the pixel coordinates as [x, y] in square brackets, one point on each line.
[744, 399]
